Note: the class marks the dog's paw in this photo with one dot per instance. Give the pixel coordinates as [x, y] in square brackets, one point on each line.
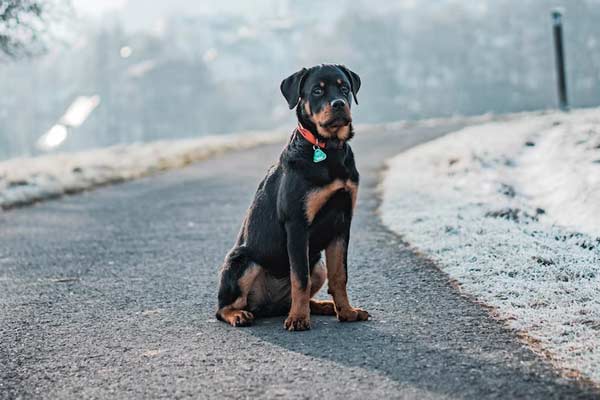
[297, 323]
[352, 314]
[239, 318]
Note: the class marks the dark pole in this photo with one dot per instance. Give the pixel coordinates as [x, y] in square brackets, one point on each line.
[560, 60]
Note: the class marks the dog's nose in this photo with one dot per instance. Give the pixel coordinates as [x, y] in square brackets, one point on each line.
[338, 103]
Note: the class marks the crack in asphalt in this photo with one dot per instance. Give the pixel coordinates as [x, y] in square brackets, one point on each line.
[111, 294]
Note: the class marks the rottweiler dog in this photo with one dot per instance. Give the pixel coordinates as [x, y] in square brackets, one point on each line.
[302, 208]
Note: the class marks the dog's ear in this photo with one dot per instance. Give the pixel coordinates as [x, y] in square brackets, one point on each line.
[291, 86]
[354, 81]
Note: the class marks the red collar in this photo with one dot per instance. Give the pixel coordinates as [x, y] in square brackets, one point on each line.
[312, 139]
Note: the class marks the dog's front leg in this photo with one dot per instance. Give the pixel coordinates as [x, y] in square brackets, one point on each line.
[336, 255]
[297, 246]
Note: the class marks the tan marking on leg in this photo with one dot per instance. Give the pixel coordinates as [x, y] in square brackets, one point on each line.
[352, 187]
[318, 277]
[317, 198]
[334, 254]
[245, 283]
[336, 274]
[258, 292]
[234, 314]
[322, 307]
[299, 316]
[237, 318]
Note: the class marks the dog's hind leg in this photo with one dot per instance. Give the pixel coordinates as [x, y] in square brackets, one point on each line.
[317, 279]
[237, 277]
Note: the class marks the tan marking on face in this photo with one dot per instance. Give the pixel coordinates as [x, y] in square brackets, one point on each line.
[317, 119]
[343, 133]
[320, 118]
[308, 111]
[323, 116]
[310, 114]
[322, 84]
[339, 81]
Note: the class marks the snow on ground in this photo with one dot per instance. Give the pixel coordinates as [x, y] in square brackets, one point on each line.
[27, 180]
[511, 211]
[561, 173]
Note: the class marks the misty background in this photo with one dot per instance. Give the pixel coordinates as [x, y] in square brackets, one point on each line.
[159, 70]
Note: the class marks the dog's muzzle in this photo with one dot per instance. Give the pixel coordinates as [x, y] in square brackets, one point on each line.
[337, 120]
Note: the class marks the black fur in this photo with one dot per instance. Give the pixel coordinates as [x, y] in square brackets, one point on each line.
[276, 232]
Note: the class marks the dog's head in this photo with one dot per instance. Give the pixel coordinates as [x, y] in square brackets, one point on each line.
[322, 96]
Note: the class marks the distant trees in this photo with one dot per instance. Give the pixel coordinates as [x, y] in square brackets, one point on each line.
[24, 26]
[458, 57]
[212, 74]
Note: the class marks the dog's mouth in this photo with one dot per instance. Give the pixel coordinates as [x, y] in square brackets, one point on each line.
[337, 121]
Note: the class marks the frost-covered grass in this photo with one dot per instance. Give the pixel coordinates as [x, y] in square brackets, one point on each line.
[511, 211]
[27, 180]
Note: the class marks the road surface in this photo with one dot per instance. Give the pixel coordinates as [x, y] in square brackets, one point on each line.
[111, 294]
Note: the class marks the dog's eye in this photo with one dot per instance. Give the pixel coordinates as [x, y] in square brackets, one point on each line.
[345, 90]
[317, 91]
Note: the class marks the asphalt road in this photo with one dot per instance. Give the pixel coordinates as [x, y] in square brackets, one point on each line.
[111, 294]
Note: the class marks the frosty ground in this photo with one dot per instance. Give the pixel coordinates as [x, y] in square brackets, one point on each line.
[511, 211]
[27, 180]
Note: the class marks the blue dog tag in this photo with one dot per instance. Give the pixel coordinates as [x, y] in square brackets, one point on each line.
[319, 155]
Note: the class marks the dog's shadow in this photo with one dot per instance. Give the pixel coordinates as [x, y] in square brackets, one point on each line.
[409, 356]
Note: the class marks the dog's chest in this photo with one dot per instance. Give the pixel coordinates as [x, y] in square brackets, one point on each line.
[317, 198]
